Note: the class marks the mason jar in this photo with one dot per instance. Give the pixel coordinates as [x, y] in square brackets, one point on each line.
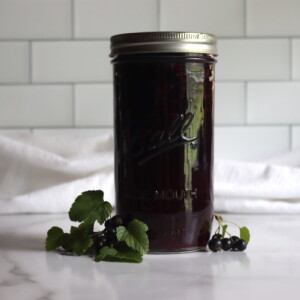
[163, 126]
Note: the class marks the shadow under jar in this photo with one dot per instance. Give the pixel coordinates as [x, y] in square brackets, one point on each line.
[163, 121]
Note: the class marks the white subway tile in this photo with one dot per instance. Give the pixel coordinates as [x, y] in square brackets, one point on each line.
[26, 106]
[30, 19]
[273, 103]
[14, 62]
[253, 59]
[219, 17]
[229, 103]
[103, 18]
[72, 61]
[72, 142]
[296, 138]
[296, 59]
[94, 105]
[273, 18]
[250, 143]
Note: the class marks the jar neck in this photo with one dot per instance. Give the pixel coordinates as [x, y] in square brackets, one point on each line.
[174, 57]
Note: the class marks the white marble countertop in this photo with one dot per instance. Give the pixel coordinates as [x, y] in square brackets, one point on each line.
[268, 269]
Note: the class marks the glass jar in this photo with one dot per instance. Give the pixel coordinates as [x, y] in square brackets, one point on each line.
[163, 122]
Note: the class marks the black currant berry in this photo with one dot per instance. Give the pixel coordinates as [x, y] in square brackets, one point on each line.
[101, 240]
[112, 242]
[110, 231]
[241, 245]
[116, 221]
[217, 236]
[215, 245]
[107, 223]
[234, 240]
[226, 244]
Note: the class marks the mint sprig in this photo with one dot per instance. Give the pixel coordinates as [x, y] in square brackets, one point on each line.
[88, 208]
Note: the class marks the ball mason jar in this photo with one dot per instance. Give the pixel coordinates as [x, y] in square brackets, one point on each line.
[163, 125]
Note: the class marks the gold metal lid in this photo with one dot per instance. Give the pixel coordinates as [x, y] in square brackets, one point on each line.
[162, 42]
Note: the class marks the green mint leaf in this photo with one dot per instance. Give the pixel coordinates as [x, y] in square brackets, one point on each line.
[90, 207]
[245, 234]
[125, 254]
[135, 236]
[79, 240]
[53, 239]
[224, 228]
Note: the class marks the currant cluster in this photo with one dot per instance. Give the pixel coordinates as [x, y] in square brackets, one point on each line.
[108, 237]
[233, 243]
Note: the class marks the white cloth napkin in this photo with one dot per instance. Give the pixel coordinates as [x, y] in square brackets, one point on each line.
[43, 173]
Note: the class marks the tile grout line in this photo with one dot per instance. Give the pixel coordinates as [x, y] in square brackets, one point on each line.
[53, 127]
[109, 127]
[246, 103]
[54, 83]
[245, 18]
[72, 20]
[73, 105]
[106, 39]
[45, 40]
[291, 58]
[158, 15]
[249, 125]
[255, 80]
[30, 62]
[110, 82]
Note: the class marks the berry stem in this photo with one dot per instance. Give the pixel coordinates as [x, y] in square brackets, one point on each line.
[221, 220]
[218, 229]
[225, 221]
[97, 233]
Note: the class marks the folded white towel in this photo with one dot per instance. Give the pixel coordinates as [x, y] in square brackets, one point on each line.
[243, 187]
[44, 174]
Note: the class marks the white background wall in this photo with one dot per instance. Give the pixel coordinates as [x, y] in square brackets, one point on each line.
[55, 73]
